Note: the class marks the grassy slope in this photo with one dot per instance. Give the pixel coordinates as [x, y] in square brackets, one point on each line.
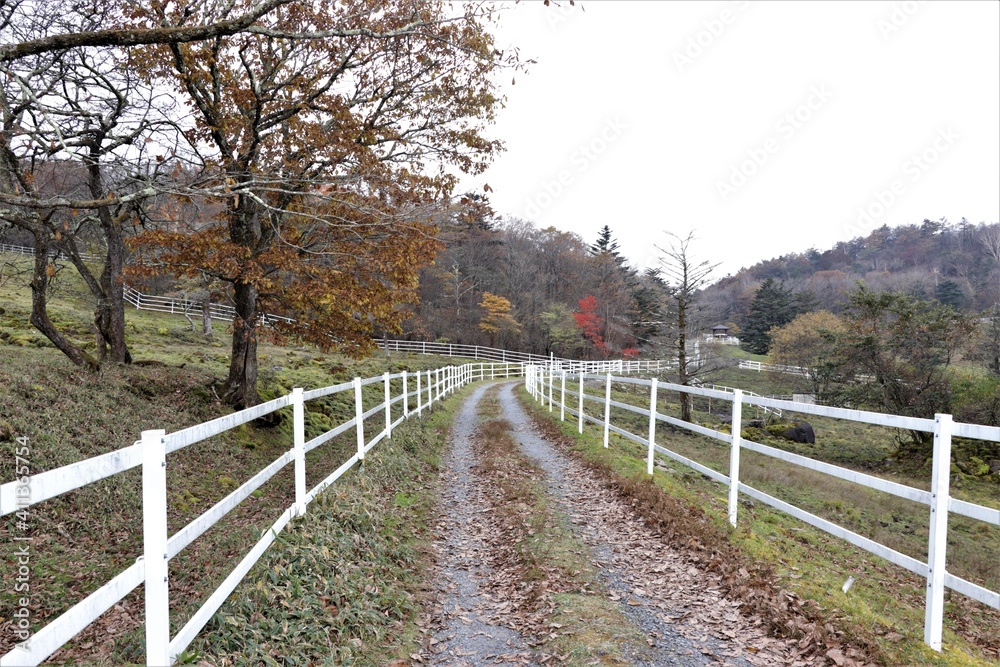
[83, 538]
[884, 608]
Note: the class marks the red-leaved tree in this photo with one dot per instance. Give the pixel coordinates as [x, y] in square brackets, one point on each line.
[591, 324]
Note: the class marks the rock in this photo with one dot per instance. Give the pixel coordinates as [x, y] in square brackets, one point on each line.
[801, 432]
[995, 466]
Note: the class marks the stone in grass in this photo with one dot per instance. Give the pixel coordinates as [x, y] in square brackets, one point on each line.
[801, 431]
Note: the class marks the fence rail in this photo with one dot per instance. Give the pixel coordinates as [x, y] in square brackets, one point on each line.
[417, 392]
[541, 382]
[747, 364]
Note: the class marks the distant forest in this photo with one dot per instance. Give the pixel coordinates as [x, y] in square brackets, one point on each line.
[507, 283]
[545, 274]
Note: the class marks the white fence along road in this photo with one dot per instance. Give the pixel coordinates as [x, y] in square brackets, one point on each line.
[549, 384]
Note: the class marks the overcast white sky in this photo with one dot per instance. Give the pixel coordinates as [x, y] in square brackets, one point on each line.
[765, 127]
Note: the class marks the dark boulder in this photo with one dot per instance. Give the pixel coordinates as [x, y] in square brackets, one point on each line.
[800, 432]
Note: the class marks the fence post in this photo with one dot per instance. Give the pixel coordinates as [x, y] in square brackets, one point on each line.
[419, 407]
[388, 404]
[359, 411]
[734, 455]
[580, 410]
[299, 449]
[552, 382]
[430, 391]
[154, 538]
[562, 400]
[652, 426]
[406, 398]
[937, 546]
[607, 411]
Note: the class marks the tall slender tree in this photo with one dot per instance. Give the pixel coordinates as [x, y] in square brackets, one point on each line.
[684, 276]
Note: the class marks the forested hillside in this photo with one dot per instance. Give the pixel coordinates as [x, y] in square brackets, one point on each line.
[557, 293]
[956, 264]
[547, 276]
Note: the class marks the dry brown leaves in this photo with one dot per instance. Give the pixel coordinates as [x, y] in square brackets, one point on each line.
[753, 587]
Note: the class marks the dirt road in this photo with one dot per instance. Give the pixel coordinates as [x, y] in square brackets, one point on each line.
[677, 608]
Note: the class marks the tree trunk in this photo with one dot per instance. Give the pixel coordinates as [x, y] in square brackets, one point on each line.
[240, 389]
[206, 315]
[682, 361]
[110, 315]
[39, 307]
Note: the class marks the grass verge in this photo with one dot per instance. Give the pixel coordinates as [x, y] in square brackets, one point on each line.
[80, 540]
[344, 585]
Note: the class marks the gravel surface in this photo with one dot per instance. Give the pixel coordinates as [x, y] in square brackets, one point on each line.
[684, 616]
[465, 630]
[677, 606]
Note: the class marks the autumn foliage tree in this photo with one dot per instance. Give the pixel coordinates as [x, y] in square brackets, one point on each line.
[591, 324]
[497, 320]
[808, 343]
[317, 131]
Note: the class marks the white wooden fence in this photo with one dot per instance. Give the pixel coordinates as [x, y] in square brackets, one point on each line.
[417, 393]
[747, 364]
[544, 382]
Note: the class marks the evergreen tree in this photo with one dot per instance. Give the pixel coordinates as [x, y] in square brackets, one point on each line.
[605, 244]
[772, 306]
[950, 293]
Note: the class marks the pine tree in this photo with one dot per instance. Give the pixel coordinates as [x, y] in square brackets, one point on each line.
[605, 244]
[772, 306]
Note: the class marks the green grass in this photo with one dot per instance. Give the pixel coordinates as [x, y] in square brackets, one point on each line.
[343, 586]
[884, 608]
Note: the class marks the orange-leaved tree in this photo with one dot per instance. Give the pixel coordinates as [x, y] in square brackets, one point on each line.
[332, 133]
[497, 320]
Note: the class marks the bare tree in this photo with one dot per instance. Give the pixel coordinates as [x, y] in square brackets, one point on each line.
[685, 277]
[990, 239]
[70, 177]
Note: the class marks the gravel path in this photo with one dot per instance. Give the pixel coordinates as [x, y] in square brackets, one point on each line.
[678, 607]
[466, 632]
